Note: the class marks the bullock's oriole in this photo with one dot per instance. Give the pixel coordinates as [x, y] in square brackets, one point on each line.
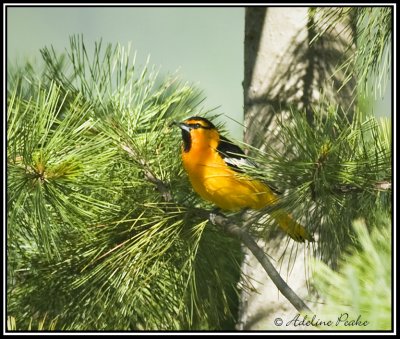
[213, 164]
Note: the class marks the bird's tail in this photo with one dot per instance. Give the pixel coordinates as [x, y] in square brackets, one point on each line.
[291, 227]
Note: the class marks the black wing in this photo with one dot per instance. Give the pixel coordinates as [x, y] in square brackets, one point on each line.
[233, 155]
[235, 158]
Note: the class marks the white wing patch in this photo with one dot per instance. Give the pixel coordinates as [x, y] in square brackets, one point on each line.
[239, 162]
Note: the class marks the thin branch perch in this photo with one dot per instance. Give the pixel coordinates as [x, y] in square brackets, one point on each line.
[233, 230]
[240, 233]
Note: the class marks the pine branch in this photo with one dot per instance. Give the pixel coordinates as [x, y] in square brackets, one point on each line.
[331, 173]
[372, 29]
[149, 175]
[73, 188]
[229, 227]
[363, 280]
[240, 233]
[379, 186]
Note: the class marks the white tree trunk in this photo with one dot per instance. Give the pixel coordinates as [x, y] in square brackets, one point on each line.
[280, 71]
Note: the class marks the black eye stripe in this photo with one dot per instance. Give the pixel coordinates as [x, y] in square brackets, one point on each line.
[205, 123]
[197, 125]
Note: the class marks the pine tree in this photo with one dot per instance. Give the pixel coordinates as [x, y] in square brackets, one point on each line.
[103, 229]
[305, 107]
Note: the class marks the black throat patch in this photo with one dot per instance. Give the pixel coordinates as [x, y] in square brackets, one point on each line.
[187, 141]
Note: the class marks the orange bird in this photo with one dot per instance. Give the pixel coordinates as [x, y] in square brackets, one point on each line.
[213, 164]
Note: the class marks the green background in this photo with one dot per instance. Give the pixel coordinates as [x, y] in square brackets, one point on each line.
[203, 45]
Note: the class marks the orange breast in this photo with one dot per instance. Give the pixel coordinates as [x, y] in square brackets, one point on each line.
[214, 181]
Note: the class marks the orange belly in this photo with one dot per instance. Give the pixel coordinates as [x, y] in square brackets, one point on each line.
[214, 181]
[226, 188]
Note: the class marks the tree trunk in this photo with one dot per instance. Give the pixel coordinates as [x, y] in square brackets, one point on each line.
[283, 70]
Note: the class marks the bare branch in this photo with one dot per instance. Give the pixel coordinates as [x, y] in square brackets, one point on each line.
[240, 233]
[383, 185]
[379, 186]
[233, 230]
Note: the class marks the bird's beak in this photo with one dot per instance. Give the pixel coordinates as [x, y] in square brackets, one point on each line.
[182, 126]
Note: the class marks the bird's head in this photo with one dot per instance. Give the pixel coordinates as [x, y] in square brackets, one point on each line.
[199, 131]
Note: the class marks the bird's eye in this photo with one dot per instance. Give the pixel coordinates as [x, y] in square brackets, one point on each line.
[196, 125]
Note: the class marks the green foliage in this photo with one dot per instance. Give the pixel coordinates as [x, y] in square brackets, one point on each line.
[333, 162]
[371, 28]
[337, 168]
[92, 241]
[331, 173]
[43, 324]
[362, 285]
[374, 44]
[103, 228]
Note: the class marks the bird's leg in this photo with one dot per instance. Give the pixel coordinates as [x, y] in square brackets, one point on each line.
[214, 213]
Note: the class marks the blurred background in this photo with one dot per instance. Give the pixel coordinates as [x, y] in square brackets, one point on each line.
[203, 45]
